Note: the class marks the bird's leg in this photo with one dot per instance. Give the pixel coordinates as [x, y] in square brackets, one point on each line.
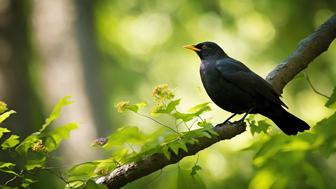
[227, 120]
[247, 113]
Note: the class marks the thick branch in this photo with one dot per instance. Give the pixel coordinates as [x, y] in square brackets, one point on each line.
[308, 49]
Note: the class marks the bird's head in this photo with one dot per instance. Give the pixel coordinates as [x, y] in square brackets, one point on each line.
[207, 50]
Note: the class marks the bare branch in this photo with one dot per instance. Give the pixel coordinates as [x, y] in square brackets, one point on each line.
[308, 49]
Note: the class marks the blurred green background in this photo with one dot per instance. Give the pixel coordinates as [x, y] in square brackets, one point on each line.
[101, 52]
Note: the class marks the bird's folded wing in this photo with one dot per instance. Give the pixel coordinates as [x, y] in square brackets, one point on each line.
[248, 81]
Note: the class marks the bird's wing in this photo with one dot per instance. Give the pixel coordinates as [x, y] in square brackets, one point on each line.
[237, 73]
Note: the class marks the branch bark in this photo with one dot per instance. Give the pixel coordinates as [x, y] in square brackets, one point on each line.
[308, 49]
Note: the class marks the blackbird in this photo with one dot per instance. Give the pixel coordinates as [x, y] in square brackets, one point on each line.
[235, 88]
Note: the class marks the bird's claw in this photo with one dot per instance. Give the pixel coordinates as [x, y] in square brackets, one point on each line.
[225, 122]
[238, 121]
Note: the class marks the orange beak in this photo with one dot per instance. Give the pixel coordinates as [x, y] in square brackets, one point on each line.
[192, 47]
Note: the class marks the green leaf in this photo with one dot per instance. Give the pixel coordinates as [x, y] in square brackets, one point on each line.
[176, 145]
[3, 107]
[10, 142]
[260, 126]
[7, 167]
[75, 184]
[9, 171]
[192, 112]
[200, 108]
[166, 108]
[198, 133]
[105, 166]
[56, 112]
[35, 161]
[211, 131]
[326, 135]
[195, 169]
[53, 137]
[27, 182]
[205, 123]
[166, 152]
[331, 103]
[136, 107]
[183, 145]
[3, 130]
[124, 135]
[206, 134]
[56, 135]
[83, 171]
[190, 140]
[125, 105]
[183, 116]
[172, 105]
[5, 115]
[27, 143]
[207, 127]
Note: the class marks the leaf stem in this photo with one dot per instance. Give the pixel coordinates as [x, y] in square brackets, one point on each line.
[166, 126]
[312, 86]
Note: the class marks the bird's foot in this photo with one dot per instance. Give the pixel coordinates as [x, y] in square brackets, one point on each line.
[226, 122]
[238, 121]
[228, 119]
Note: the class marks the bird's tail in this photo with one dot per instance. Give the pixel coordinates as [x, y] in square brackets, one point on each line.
[286, 121]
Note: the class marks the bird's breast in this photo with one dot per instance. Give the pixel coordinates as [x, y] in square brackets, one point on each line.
[223, 93]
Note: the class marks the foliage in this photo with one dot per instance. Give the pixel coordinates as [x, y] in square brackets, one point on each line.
[294, 162]
[126, 145]
[260, 126]
[332, 100]
[130, 144]
[32, 153]
[275, 155]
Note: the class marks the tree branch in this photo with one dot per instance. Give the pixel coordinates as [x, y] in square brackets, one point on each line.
[308, 49]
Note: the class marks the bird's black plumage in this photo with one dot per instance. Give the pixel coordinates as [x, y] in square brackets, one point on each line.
[235, 88]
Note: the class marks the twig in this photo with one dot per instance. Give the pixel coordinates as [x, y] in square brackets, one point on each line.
[10, 180]
[312, 86]
[13, 178]
[166, 126]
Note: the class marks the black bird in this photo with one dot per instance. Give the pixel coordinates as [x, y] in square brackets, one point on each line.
[235, 88]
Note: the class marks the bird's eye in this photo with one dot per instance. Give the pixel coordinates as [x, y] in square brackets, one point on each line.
[204, 46]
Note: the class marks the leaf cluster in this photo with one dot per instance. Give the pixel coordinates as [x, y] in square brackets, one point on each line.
[294, 162]
[35, 149]
[130, 144]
